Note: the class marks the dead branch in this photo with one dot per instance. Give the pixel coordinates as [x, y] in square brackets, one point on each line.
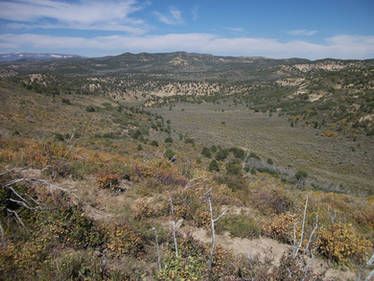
[302, 228]
[369, 263]
[21, 203]
[14, 169]
[157, 248]
[173, 224]
[311, 236]
[17, 217]
[193, 183]
[2, 235]
[212, 221]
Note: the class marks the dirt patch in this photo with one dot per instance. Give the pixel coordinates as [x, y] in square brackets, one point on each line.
[265, 247]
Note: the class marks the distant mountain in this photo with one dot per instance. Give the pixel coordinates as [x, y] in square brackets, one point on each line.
[34, 56]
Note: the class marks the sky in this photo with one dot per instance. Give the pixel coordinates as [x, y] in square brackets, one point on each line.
[310, 29]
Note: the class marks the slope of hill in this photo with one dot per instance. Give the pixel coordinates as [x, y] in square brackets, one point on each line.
[91, 188]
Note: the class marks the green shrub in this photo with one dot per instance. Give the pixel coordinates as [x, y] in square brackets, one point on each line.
[189, 140]
[239, 226]
[213, 166]
[66, 101]
[154, 143]
[213, 149]
[270, 161]
[206, 152]
[233, 168]
[254, 155]
[90, 108]
[72, 228]
[301, 175]
[74, 266]
[169, 140]
[222, 154]
[169, 154]
[238, 152]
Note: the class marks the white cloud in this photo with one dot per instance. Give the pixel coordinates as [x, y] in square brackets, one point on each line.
[343, 46]
[235, 29]
[302, 32]
[105, 15]
[174, 16]
[195, 13]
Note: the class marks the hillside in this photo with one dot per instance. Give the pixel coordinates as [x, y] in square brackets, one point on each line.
[331, 94]
[117, 174]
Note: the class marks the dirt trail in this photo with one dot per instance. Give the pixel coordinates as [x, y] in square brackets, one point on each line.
[265, 247]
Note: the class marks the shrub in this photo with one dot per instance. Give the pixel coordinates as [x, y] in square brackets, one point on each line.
[233, 168]
[108, 180]
[238, 152]
[72, 228]
[206, 152]
[169, 154]
[143, 210]
[222, 154]
[123, 240]
[239, 226]
[329, 134]
[270, 161]
[140, 147]
[272, 201]
[181, 268]
[66, 101]
[280, 227]
[154, 143]
[340, 243]
[169, 140]
[136, 134]
[301, 175]
[213, 166]
[254, 155]
[74, 266]
[90, 108]
[189, 140]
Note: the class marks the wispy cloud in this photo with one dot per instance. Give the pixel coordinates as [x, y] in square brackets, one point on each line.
[302, 32]
[108, 15]
[343, 46]
[173, 17]
[235, 29]
[195, 13]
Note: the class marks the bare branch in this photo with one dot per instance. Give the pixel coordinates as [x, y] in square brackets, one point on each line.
[173, 224]
[213, 233]
[158, 249]
[221, 215]
[17, 217]
[311, 236]
[21, 203]
[192, 184]
[2, 235]
[370, 275]
[33, 200]
[302, 228]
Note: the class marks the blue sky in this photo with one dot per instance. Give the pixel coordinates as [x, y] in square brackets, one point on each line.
[278, 29]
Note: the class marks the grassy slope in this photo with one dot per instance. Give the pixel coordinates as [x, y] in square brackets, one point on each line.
[115, 224]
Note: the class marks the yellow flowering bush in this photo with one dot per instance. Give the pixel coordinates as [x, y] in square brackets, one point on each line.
[340, 243]
[123, 240]
[280, 227]
[143, 210]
